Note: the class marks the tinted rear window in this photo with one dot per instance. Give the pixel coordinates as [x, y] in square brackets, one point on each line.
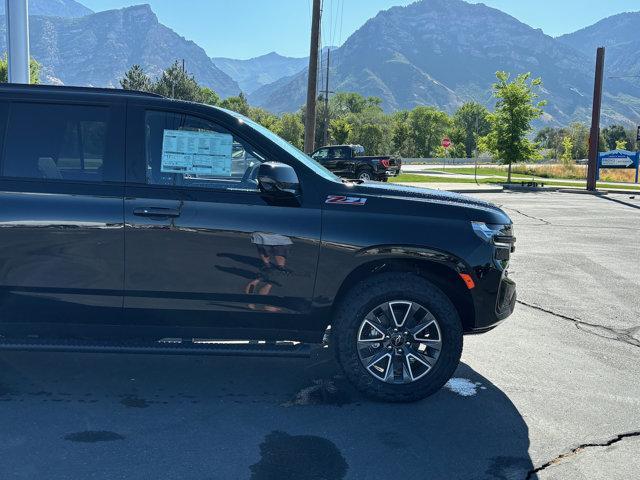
[58, 142]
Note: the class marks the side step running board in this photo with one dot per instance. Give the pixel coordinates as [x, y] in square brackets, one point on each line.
[271, 349]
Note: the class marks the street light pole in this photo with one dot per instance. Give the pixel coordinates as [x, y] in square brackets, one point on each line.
[16, 12]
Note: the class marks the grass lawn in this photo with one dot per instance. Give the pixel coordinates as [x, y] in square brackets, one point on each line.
[415, 178]
[470, 170]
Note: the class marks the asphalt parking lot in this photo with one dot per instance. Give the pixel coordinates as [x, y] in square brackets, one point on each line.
[554, 393]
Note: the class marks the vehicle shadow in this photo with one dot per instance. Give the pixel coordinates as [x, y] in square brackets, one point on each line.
[143, 416]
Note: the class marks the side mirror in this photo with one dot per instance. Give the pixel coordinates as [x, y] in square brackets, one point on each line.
[278, 180]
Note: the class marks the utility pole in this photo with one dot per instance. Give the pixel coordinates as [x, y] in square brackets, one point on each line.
[310, 120]
[326, 101]
[16, 12]
[594, 139]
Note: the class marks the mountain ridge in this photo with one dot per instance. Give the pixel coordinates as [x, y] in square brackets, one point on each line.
[97, 49]
[55, 8]
[431, 52]
[619, 34]
[253, 73]
[446, 52]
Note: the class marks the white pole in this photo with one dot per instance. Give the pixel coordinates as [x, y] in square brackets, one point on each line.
[16, 12]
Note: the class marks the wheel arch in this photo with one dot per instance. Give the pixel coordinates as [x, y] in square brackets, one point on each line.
[442, 271]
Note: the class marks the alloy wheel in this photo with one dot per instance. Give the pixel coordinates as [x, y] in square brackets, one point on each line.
[399, 342]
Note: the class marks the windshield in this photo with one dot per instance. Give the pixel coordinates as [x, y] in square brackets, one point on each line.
[282, 143]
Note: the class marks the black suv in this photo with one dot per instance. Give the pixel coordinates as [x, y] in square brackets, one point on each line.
[131, 222]
[347, 161]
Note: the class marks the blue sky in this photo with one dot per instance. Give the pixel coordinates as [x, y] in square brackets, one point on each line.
[248, 28]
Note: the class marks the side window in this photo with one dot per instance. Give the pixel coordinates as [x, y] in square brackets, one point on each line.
[183, 150]
[321, 154]
[58, 142]
[344, 152]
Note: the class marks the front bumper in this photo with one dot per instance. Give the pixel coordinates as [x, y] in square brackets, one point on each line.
[494, 300]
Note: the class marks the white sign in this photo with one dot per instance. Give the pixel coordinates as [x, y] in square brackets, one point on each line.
[197, 153]
[616, 162]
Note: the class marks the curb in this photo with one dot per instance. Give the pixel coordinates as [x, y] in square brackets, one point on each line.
[476, 190]
[583, 192]
[520, 188]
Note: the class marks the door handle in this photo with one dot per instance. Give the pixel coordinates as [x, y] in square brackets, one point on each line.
[157, 212]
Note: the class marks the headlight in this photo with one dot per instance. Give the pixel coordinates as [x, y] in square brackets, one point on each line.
[486, 231]
[497, 234]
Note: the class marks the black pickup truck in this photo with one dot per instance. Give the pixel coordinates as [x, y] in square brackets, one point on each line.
[345, 161]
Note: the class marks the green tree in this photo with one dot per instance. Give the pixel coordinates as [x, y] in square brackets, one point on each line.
[621, 144]
[237, 104]
[567, 151]
[516, 107]
[177, 83]
[371, 136]
[632, 143]
[209, 97]
[344, 103]
[614, 134]
[34, 70]
[291, 128]
[551, 138]
[401, 134]
[458, 137]
[579, 133]
[263, 117]
[428, 127]
[136, 79]
[472, 119]
[339, 129]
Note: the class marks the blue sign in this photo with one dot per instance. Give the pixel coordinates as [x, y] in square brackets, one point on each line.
[619, 159]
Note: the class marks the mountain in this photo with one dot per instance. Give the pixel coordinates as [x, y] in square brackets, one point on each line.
[619, 34]
[98, 49]
[55, 8]
[446, 52]
[259, 71]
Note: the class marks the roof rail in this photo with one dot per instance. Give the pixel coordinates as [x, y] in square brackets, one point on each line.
[109, 91]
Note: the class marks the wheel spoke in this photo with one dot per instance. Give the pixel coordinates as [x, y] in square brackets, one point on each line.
[417, 357]
[380, 365]
[400, 312]
[418, 332]
[374, 333]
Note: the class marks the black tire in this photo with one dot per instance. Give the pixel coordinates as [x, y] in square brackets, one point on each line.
[365, 172]
[383, 179]
[373, 291]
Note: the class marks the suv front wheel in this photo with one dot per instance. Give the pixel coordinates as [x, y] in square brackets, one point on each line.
[398, 337]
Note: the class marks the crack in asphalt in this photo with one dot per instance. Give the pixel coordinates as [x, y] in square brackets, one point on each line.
[621, 335]
[528, 216]
[574, 451]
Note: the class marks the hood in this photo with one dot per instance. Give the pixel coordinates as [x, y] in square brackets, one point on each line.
[479, 209]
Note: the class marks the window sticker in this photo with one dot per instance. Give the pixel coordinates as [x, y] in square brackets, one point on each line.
[197, 153]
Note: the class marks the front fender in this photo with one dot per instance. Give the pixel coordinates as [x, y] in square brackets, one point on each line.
[340, 262]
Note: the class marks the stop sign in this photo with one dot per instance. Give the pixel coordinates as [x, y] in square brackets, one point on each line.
[446, 142]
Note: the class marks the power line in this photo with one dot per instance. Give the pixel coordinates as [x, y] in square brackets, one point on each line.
[336, 19]
[341, 20]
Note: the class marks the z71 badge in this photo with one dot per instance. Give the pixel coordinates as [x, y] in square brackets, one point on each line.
[344, 200]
